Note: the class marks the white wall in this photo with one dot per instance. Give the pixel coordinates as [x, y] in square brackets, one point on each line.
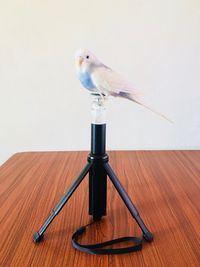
[156, 44]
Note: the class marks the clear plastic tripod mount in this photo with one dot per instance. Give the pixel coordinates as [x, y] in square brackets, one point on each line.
[98, 110]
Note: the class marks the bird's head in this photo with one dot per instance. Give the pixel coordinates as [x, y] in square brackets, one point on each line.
[85, 59]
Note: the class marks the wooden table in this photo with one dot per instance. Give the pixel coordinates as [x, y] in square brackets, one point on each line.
[164, 185]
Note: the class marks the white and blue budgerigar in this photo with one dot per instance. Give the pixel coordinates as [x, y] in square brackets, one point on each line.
[98, 78]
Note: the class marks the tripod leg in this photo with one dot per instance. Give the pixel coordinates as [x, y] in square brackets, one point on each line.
[123, 194]
[38, 236]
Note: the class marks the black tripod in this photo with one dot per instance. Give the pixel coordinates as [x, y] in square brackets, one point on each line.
[98, 169]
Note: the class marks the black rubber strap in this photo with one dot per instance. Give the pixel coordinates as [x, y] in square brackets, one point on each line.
[98, 248]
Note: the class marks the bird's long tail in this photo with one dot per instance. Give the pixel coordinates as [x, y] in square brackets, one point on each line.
[132, 98]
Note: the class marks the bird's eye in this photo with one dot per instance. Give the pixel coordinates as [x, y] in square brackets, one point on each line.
[87, 57]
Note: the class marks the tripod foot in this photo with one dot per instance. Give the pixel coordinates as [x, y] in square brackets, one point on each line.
[37, 237]
[148, 236]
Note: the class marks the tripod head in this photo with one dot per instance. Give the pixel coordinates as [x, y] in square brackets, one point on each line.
[98, 110]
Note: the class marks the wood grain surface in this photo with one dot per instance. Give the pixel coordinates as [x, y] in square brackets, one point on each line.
[164, 185]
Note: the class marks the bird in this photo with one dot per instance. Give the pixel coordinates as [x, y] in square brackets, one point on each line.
[100, 79]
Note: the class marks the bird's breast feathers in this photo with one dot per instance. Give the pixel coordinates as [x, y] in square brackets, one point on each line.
[85, 79]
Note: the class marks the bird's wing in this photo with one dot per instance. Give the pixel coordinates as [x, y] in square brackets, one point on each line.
[111, 82]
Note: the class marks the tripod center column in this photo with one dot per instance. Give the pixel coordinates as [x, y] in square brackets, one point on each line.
[98, 126]
[97, 173]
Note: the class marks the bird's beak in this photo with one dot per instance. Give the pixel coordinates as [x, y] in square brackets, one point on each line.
[80, 61]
